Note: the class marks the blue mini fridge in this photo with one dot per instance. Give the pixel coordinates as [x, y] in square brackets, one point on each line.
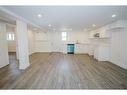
[70, 48]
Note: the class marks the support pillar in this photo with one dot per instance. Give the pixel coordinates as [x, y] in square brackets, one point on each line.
[22, 44]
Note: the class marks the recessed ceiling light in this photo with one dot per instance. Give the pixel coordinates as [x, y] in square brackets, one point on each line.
[114, 15]
[94, 25]
[49, 25]
[39, 15]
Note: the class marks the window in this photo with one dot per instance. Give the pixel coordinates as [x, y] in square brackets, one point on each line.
[64, 36]
[10, 36]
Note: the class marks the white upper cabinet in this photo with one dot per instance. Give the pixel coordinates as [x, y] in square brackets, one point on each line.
[102, 33]
[120, 24]
[105, 34]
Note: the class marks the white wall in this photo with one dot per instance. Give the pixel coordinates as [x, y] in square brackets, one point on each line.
[42, 42]
[119, 48]
[31, 40]
[3, 46]
[56, 43]
[78, 36]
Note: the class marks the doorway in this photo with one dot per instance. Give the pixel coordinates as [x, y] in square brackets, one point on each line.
[11, 41]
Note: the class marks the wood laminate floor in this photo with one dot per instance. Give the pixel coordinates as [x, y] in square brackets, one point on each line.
[61, 71]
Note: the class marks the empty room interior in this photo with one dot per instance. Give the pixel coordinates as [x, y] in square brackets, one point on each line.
[63, 47]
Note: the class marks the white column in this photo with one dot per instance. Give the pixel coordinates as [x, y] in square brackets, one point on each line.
[22, 44]
[3, 46]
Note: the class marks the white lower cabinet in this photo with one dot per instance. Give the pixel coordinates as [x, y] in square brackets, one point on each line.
[102, 53]
[91, 49]
[96, 51]
[63, 48]
[81, 48]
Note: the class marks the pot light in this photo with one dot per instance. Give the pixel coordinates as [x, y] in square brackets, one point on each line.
[39, 15]
[94, 25]
[114, 15]
[49, 25]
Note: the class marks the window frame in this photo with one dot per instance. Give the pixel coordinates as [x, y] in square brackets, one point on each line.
[64, 36]
[10, 36]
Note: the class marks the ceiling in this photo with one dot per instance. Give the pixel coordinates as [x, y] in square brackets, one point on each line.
[4, 17]
[72, 17]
